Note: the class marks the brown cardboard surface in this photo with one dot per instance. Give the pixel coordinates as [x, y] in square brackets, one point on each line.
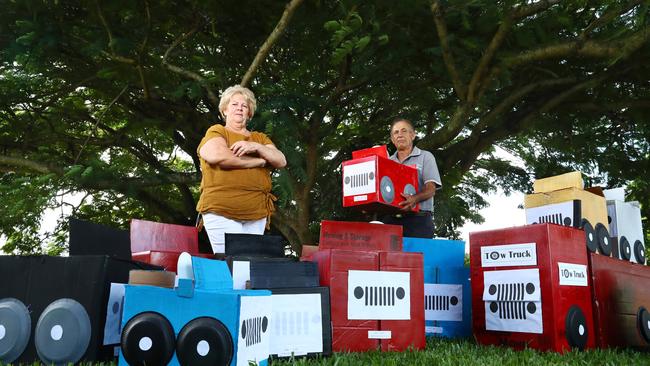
[596, 190]
[562, 181]
[308, 250]
[152, 278]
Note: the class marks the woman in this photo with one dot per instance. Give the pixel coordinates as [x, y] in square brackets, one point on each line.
[236, 164]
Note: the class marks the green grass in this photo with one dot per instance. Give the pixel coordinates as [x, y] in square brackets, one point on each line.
[467, 352]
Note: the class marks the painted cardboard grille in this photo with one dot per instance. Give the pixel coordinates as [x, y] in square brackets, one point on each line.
[370, 298]
[443, 302]
[301, 322]
[513, 301]
[567, 213]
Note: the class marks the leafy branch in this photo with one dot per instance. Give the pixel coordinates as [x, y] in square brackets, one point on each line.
[268, 44]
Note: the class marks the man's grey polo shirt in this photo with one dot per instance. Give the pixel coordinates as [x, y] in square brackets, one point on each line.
[427, 172]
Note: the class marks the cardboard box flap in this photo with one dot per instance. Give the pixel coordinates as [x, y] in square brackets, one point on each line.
[596, 190]
[149, 235]
[567, 180]
[379, 150]
[615, 194]
[152, 278]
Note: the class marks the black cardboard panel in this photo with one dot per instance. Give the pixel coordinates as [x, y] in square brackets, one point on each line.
[88, 238]
[270, 275]
[271, 246]
[247, 258]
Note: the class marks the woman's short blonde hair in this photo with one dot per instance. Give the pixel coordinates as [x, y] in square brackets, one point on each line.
[238, 89]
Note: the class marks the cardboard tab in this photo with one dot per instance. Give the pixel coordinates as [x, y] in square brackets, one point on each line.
[185, 287]
[210, 274]
[379, 150]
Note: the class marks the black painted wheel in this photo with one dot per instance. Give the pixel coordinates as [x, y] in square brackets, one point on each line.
[643, 322]
[624, 249]
[603, 240]
[590, 235]
[204, 341]
[639, 252]
[148, 339]
[576, 328]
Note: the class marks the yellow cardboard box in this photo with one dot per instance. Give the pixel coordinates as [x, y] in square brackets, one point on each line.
[562, 181]
[594, 207]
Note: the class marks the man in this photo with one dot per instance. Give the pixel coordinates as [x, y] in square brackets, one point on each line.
[420, 224]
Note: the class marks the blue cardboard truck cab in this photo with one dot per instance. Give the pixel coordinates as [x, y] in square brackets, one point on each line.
[243, 316]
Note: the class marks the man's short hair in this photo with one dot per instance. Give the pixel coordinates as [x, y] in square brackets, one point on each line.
[399, 119]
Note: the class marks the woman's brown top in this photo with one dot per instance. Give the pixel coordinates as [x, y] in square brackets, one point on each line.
[238, 194]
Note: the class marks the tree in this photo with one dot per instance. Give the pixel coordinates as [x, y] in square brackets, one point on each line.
[112, 98]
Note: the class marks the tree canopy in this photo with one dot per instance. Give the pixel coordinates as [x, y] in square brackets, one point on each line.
[111, 98]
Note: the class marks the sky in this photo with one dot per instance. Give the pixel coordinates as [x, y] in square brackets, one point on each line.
[502, 212]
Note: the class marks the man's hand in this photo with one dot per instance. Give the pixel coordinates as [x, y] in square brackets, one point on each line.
[409, 203]
[241, 148]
